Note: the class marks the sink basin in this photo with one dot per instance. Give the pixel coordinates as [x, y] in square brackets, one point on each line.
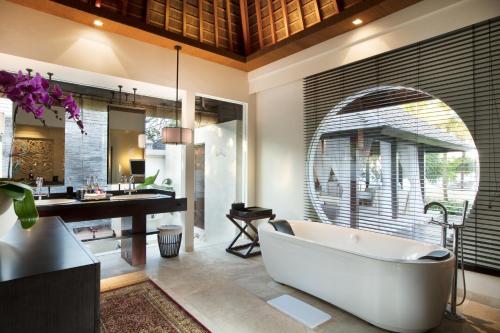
[135, 196]
[60, 201]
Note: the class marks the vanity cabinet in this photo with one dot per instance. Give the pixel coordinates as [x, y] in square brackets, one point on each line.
[49, 282]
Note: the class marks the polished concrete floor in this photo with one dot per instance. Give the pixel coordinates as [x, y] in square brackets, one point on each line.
[229, 294]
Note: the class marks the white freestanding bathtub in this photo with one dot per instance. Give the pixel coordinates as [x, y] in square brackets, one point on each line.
[373, 276]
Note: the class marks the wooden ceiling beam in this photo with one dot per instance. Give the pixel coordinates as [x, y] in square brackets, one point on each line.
[258, 14]
[316, 10]
[285, 17]
[271, 20]
[200, 20]
[244, 25]
[124, 7]
[338, 5]
[148, 11]
[216, 22]
[184, 20]
[167, 14]
[229, 25]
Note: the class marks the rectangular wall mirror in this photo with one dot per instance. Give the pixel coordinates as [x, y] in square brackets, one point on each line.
[126, 126]
[123, 138]
[38, 149]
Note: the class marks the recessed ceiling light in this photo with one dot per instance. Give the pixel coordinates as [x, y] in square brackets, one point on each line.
[357, 21]
[98, 23]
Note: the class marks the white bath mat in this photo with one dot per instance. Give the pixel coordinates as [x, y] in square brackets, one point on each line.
[300, 311]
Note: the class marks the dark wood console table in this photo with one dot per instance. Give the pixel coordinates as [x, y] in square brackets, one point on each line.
[238, 250]
[133, 214]
[49, 281]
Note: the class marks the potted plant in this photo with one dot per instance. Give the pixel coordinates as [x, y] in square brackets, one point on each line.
[33, 95]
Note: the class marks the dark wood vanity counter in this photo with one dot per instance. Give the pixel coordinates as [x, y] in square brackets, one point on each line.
[133, 212]
[92, 210]
[49, 281]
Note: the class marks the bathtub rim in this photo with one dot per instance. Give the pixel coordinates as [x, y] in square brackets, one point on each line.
[278, 234]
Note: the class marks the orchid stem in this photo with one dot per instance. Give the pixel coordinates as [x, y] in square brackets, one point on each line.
[11, 154]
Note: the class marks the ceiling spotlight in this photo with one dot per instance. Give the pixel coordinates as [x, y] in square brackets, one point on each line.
[357, 21]
[98, 23]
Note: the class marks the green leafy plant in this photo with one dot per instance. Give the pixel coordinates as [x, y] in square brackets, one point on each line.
[438, 166]
[149, 181]
[24, 202]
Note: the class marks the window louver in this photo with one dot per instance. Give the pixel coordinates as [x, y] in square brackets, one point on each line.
[390, 133]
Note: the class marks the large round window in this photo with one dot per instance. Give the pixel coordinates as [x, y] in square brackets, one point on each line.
[380, 155]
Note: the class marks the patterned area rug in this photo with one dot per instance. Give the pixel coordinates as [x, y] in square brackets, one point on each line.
[145, 308]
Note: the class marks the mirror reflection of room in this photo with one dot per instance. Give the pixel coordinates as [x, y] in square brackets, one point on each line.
[125, 156]
[38, 149]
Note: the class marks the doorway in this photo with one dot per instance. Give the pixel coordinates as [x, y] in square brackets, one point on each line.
[219, 163]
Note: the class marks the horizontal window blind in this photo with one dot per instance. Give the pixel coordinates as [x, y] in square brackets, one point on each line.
[389, 134]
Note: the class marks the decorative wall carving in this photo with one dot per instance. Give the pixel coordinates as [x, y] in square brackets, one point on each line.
[35, 156]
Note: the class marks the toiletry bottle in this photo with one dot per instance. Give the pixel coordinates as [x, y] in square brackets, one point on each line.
[69, 189]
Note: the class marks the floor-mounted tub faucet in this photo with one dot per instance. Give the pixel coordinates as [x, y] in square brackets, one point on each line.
[451, 312]
[444, 225]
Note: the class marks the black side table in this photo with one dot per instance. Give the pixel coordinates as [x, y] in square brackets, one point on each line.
[248, 221]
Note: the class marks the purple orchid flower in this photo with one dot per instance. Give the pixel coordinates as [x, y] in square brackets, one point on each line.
[6, 79]
[56, 91]
[34, 95]
[71, 107]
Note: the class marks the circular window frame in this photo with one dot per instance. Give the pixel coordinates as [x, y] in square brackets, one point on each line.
[322, 127]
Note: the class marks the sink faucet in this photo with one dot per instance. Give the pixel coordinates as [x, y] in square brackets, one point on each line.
[130, 182]
[39, 188]
[444, 225]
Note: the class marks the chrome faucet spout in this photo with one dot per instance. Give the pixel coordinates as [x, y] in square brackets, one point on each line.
[130, 187]
[444, 225]
[440, 205]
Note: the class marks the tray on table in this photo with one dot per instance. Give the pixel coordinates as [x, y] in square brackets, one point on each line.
[83, 199]
[251, 212]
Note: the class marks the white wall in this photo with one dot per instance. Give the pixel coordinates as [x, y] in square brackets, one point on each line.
[280, 150]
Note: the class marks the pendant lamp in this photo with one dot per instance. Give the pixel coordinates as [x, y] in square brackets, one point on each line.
[177, 135]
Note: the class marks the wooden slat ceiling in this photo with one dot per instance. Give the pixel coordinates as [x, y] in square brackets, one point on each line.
[213, 22]
[244, 34]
